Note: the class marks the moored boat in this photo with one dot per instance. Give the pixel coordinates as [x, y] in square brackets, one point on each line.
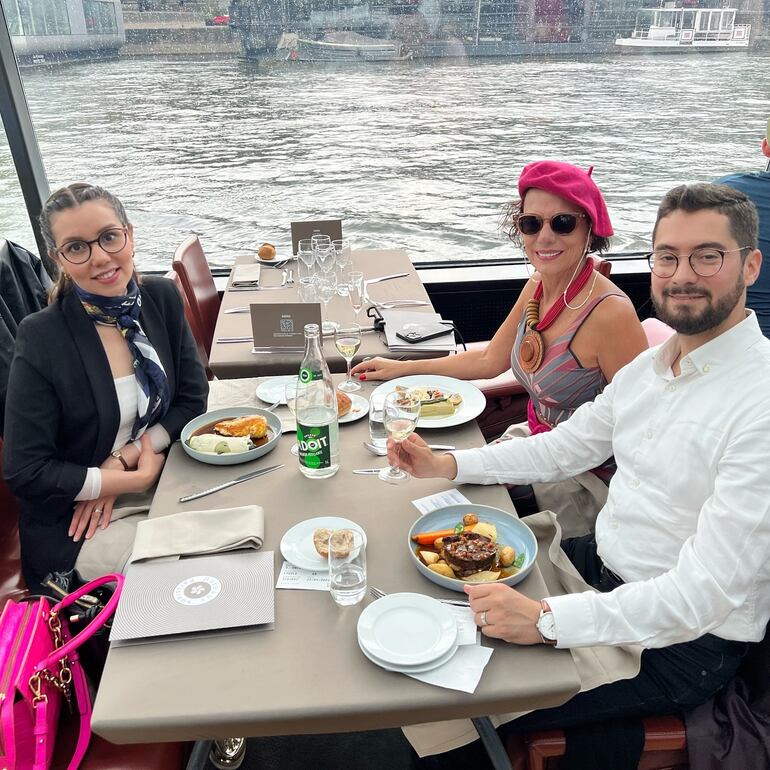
[342, 47]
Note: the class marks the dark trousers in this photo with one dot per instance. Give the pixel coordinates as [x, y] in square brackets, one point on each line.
[671, 680]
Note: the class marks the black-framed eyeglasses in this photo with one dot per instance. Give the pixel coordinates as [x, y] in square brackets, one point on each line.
[704, 262]
[561, 224]
[111, 241]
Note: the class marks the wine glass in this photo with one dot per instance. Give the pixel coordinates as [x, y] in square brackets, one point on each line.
[399, 415]
[320, 241]
[343, 263]
[305, 252]
[326, 288]
[347, 339]
[325, 257]
[290, 390]
[356, 290]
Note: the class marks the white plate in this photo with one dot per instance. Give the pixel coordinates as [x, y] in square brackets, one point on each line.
[421, 669]
[297, 544]
[407, 629]
[276, 260]
[472, 406]
[274, 389]
[359, 409]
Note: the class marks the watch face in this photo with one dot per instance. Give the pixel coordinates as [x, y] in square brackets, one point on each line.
[546, 625]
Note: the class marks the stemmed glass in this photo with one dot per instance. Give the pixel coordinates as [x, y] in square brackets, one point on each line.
[290, 391]
[305, 252]
[326, 289]
[356, 290]
[399, 416]
[325, 258]
[343, 262]
[347, 339]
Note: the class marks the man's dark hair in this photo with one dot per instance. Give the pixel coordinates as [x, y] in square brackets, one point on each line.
[739, 210]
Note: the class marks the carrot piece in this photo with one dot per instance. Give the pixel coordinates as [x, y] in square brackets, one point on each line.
[427, 538]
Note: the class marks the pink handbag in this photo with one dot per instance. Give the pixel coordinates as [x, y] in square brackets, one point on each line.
[39, 668]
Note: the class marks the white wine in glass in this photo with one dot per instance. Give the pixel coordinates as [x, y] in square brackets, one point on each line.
[347, 339]
[400, 414]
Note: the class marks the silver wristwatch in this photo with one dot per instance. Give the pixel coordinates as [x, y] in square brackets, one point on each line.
[546, 625]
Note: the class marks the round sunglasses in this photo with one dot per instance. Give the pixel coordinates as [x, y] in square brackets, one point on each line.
[561, 224]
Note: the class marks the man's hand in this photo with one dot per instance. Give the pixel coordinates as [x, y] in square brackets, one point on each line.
[150, 464]
[89, 514]
[503, 613]
[412, 454]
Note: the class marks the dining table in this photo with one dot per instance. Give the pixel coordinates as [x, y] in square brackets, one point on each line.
[230, 360]
[307, 675]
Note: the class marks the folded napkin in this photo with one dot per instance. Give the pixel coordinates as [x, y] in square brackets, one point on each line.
[245, 276]
[199, 532]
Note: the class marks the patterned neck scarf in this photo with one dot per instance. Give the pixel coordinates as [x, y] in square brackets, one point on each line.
[153, 392]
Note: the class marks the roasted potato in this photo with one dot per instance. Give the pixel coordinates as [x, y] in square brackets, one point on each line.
[470, 519]
[487, 530]
[487, 576]
[429, 557]
[442, 569]
[438, 543]
[506, 556]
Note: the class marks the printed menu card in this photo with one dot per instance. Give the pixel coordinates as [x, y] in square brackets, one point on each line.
[282, 325]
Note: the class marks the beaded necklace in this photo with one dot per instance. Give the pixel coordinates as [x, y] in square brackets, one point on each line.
[532, 347]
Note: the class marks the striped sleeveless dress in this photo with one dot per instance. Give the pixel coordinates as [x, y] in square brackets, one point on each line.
[561, 384]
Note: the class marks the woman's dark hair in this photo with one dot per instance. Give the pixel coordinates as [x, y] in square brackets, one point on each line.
[740, 211]
[508, 225]
[67, 198]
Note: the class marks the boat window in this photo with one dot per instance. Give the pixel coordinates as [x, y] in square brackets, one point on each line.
[408, 119]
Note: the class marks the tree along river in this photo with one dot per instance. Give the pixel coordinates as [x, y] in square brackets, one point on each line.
[417, 155]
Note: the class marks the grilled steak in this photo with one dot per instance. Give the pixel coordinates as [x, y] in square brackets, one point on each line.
[468, 552]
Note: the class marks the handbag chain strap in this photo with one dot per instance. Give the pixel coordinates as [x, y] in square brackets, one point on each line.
[63, 680]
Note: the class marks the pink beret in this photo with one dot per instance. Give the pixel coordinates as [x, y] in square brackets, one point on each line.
[573, 184]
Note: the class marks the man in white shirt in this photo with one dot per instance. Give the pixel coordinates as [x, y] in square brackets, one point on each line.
[681, 552]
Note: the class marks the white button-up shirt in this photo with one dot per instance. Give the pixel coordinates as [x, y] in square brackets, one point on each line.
[687, 521]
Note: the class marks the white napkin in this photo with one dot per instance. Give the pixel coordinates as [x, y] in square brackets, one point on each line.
[245, 277]
[462, 671]
[199, 532]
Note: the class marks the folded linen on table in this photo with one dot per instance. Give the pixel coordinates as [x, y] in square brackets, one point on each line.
[199, 532]
[245, 276]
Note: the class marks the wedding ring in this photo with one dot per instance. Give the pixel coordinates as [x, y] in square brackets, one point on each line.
[98, 510]
[483, 619]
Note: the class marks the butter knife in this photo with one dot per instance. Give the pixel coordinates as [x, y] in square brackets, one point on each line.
[367, 471]
[245, 477]
[386, 278]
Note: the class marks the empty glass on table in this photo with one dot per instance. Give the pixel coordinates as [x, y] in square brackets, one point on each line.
[347, 339]
[290, 390]
[326, 288]
[399, 415]
[343, 262]
[305, 252]
[356, 290]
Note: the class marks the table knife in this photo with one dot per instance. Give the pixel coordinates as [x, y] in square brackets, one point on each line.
[367, 471]
[245, 477]
[386, 278]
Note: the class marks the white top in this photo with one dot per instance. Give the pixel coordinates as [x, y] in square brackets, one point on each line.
[687, 521]
[125, 390]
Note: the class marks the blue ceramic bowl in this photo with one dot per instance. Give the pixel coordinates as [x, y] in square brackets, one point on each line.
[510, 531]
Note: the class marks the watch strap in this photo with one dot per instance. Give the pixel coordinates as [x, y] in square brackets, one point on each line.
[116, 454]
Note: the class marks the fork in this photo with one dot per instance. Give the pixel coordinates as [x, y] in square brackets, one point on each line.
[378, 593]
[290, 279]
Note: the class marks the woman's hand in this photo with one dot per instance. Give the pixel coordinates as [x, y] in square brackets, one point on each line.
[89, 514]
[150, 463]
[503, 613]
[378, 369]
[412, 454]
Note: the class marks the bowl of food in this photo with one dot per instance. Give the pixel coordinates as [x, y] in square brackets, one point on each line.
[231, 436]
[470, 543]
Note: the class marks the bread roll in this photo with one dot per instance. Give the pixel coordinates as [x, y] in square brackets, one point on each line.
[343, 542]
[344, 404]
[266, 251]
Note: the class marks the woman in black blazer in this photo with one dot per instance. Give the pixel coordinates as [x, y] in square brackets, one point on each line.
[101, 382]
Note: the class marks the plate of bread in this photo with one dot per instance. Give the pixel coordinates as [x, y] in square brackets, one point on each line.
[231, 436]
[351, 407]
[267, 254]
[444, 401]
[306, 545]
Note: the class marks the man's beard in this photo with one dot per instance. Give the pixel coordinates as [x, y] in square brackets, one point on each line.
[686, 321]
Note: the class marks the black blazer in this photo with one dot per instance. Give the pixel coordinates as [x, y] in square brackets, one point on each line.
[62, 412]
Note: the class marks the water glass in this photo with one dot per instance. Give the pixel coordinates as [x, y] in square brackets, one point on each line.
[377, 433]
[305, 251]
[343, 261]
[347, 566]
[356, 290]
[400, 414]
[307, 289]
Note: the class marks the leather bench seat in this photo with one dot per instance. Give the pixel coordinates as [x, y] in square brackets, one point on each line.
[101, 755]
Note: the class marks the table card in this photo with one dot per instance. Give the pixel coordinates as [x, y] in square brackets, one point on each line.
[281, 326]
[440, 500]
[294, 577]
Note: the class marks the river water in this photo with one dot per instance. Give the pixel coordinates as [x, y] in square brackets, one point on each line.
[417, 155]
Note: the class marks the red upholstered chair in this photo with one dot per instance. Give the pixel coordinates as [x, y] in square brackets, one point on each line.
[192, 321]
[198, 285]
[101, 755]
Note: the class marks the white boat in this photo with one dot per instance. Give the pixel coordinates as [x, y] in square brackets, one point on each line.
[672, 27]
[342, 46]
